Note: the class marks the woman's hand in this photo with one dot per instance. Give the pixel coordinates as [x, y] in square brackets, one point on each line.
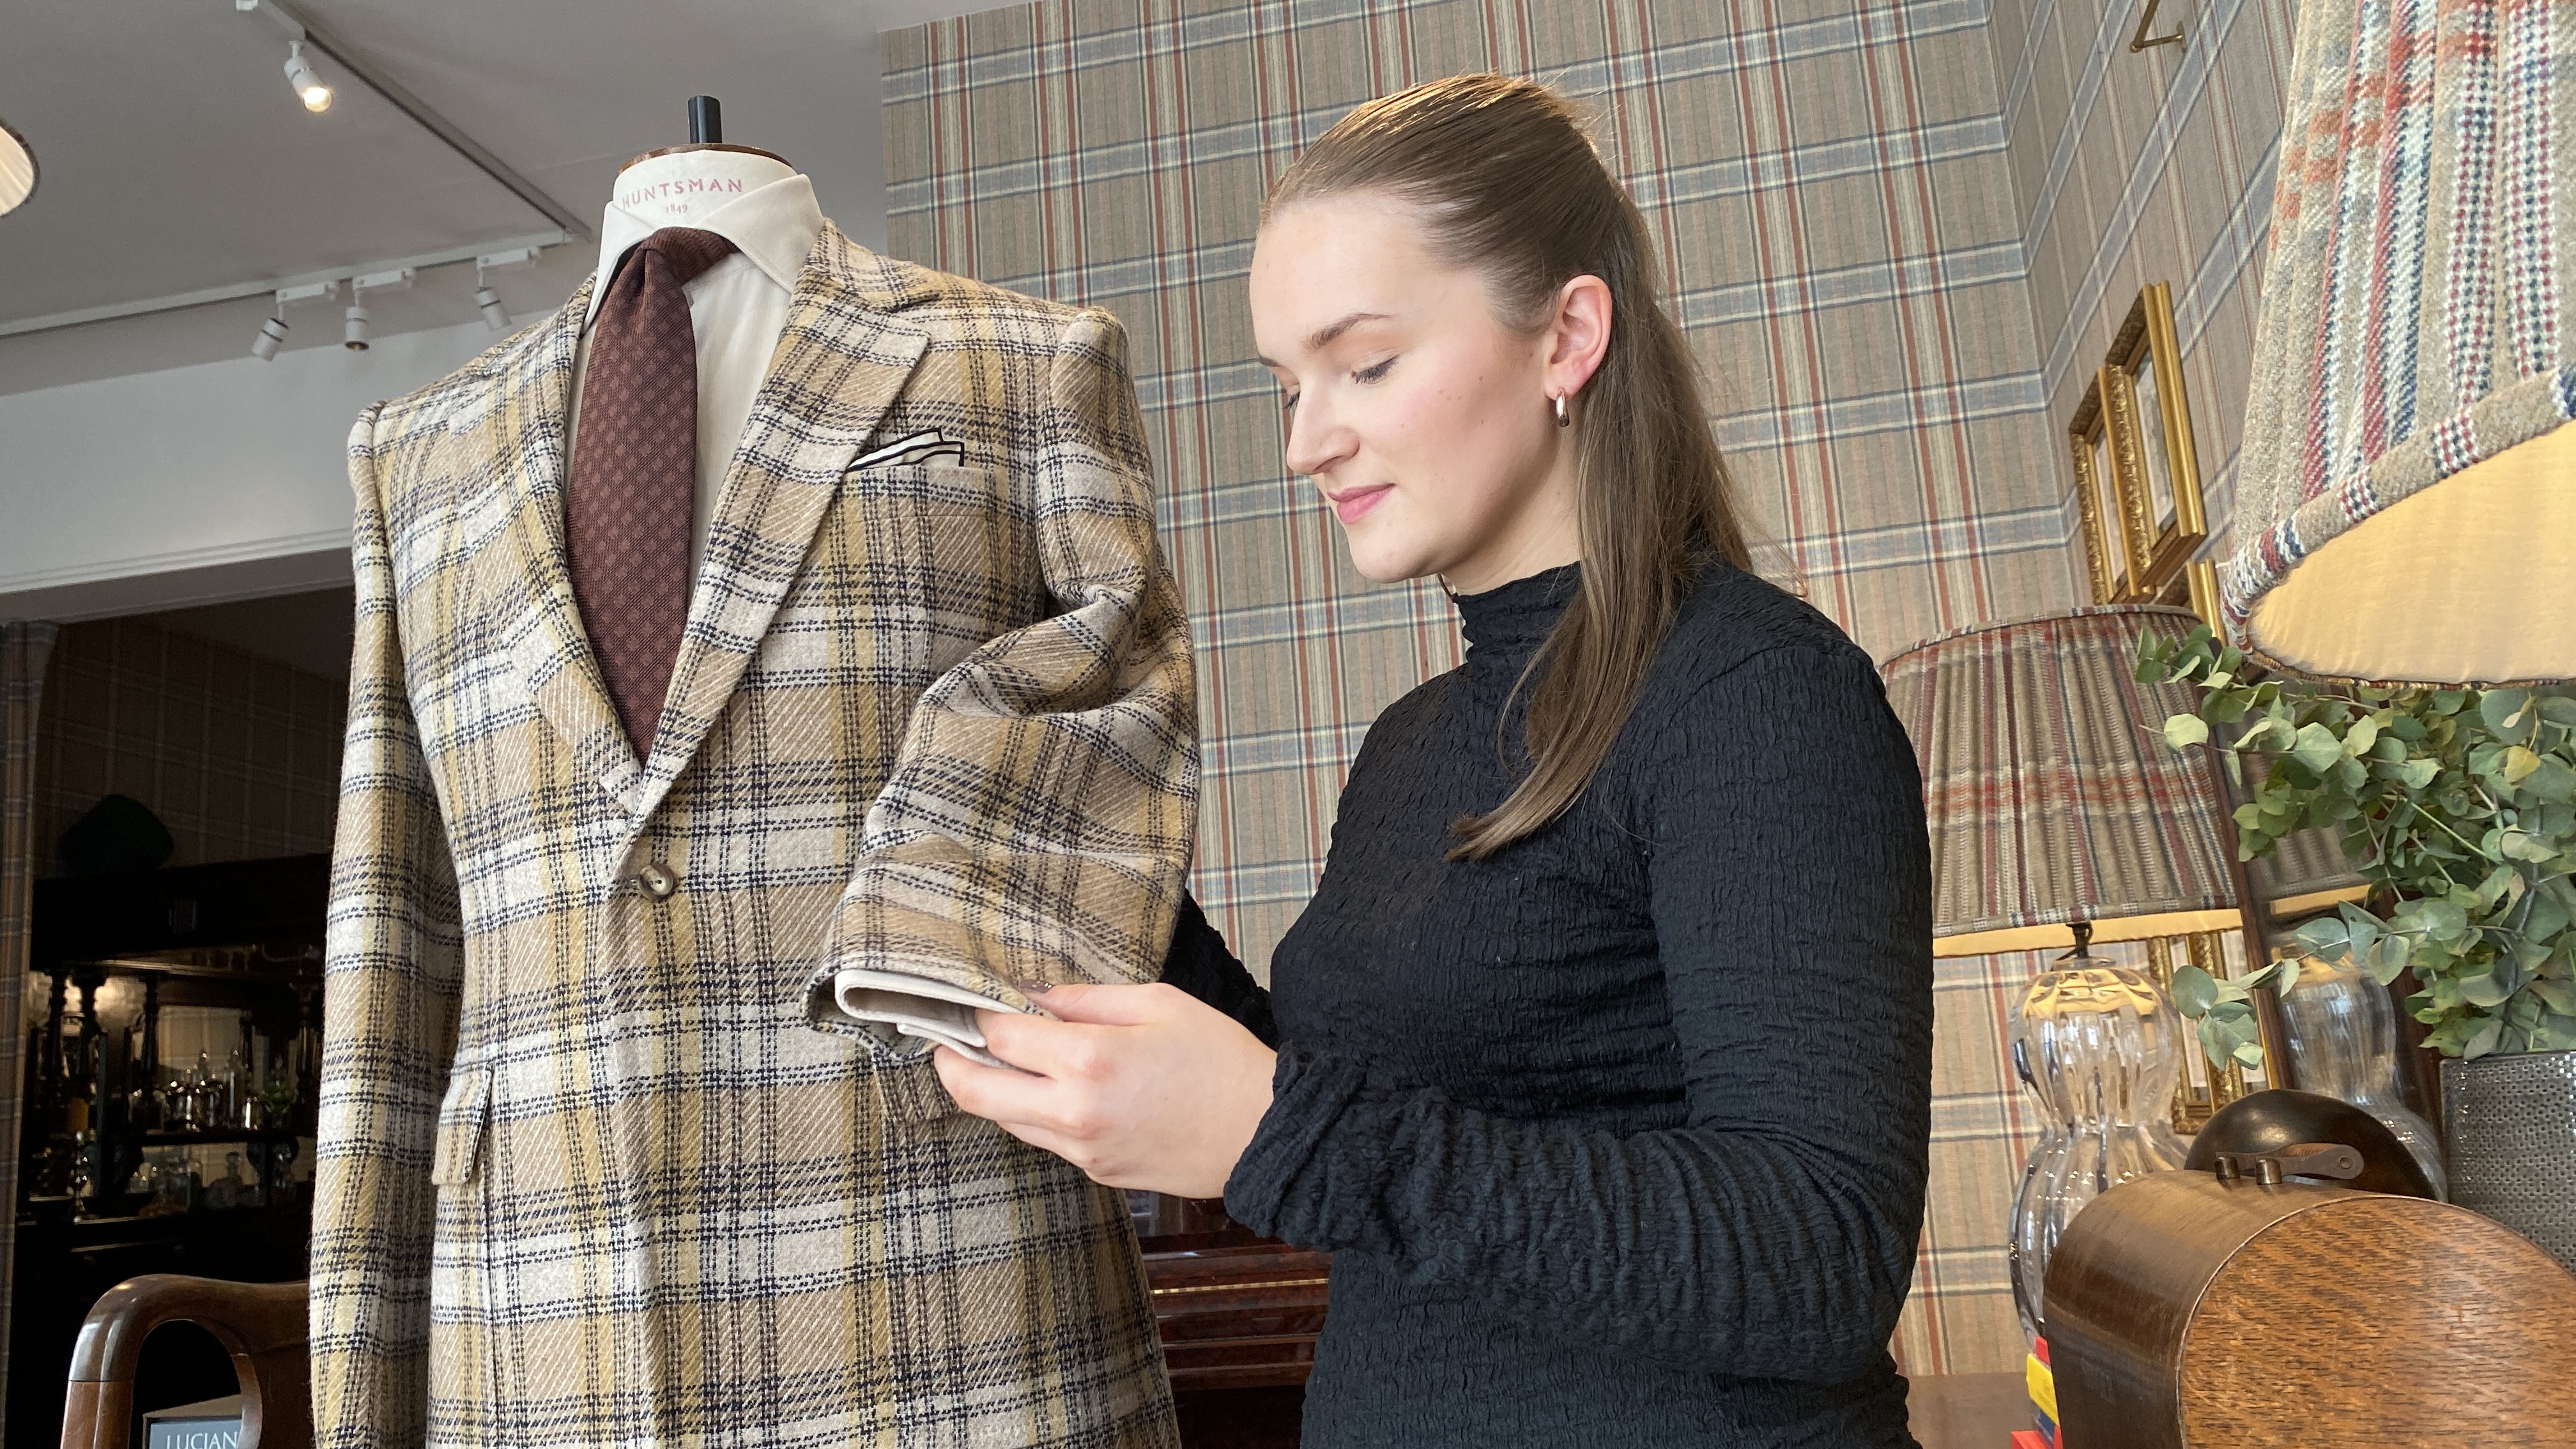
[1139, 1086]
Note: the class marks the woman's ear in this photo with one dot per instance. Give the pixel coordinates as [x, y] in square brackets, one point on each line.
[1579, 335]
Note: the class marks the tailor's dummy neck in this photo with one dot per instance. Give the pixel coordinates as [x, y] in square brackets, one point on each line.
[681, 186]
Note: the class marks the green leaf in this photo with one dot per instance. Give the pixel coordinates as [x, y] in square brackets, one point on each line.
[2483, 1040]
[2185, 730]
[2194, 991]
[2500, 710]
[2483, 989]
[2442, 920]
[2559, 709]
[2226, 706]
[2523, 845]
[2363, 734]
[2327, 938]
[2553, 780]
[2418, 773]
[2214, 1044]
[2519, 765]
[2249, 1054]
[2499, 881]
[2558, 996]
[2316, 747]
[2387, 959]
[2546, 919]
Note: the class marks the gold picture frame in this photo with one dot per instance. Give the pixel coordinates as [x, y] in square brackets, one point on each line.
[2097, 494]
[2149, 408]
[2200, 591]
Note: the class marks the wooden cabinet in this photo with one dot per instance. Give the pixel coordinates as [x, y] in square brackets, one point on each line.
[1239, 1316]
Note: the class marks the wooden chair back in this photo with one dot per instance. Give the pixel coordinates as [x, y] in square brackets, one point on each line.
[262, 1325]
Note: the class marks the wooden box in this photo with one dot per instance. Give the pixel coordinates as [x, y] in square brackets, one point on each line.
[2188, 1311]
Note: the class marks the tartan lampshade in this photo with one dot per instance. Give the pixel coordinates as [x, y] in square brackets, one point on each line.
[2051, 795]
[2406, 497]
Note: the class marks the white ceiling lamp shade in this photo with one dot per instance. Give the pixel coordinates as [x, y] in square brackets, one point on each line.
[308, 83]
[17, 169]
[2406, 503]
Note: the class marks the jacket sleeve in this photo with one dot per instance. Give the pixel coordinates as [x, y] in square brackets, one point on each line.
[1038, 820]
[1773, 1233]
[391, 976]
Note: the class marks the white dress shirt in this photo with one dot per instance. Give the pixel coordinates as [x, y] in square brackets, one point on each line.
[737, 307]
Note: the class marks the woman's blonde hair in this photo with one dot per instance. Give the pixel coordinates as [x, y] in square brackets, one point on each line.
[1511, 188]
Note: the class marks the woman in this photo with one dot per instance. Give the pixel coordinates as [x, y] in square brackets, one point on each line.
[1603, 1050]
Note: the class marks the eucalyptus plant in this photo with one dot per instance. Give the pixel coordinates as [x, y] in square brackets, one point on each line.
[2459, 805]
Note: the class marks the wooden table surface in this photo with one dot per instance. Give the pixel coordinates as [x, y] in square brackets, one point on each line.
[1966, 1411]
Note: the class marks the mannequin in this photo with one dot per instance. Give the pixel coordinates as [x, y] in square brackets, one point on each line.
[603, 1159]
[677, 185]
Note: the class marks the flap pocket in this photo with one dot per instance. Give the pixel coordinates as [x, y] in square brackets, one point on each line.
[461, 1118]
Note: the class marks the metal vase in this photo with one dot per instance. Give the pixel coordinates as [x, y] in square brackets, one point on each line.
[2510, 1122]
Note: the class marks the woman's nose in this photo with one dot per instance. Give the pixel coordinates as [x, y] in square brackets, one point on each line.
[1314, 444]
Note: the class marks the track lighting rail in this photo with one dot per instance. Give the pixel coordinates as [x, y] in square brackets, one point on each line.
[237, 290]
[300, 28]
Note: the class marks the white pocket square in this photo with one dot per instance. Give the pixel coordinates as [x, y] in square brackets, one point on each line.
[919, 448]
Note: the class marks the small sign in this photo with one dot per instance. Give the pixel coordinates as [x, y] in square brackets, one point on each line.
[214, 1424]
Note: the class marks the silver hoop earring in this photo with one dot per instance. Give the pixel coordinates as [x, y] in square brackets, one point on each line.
[1563, 418]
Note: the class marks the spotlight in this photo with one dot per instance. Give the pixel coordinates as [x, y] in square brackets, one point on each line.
[308, 85]
[17, 169]
[354, 335]
[273, 331]
[495, 315]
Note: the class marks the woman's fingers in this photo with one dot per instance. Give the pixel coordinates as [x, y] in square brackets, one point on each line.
[1107, 1005]
[997, 1093]
[1058, 1049]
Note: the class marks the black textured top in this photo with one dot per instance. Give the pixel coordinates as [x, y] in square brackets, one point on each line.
[1618, 1137]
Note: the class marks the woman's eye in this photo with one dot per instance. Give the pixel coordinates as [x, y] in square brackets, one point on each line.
[1288, 404]
[1374, 372]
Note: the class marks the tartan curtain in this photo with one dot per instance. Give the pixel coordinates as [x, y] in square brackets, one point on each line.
[23, 649]
[1827, 185]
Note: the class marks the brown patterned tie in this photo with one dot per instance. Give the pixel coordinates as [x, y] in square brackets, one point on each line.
[634, 477]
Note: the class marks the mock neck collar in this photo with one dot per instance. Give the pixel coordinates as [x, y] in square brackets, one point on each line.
[1516, 617]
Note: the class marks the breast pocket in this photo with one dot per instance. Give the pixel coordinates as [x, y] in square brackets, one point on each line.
[956, 485]
[942, 543]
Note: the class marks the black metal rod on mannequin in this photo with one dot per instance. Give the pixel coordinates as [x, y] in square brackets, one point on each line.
[706, 121]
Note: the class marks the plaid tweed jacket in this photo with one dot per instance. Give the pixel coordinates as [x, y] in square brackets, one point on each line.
[589, 1174]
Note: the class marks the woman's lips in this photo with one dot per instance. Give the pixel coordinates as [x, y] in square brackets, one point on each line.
[1353, 506]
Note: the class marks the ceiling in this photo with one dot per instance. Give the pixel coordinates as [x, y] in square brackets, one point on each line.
[174, 157]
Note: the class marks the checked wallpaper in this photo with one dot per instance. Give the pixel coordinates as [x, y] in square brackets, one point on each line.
[1833, 184]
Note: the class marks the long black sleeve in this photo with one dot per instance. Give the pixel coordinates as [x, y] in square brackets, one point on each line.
[1770, 1227]
[1200, 963]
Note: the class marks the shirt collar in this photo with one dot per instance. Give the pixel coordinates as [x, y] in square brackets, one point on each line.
[774, 225]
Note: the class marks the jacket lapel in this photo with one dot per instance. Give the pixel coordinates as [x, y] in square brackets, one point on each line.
[521, 567]
[841, 360]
